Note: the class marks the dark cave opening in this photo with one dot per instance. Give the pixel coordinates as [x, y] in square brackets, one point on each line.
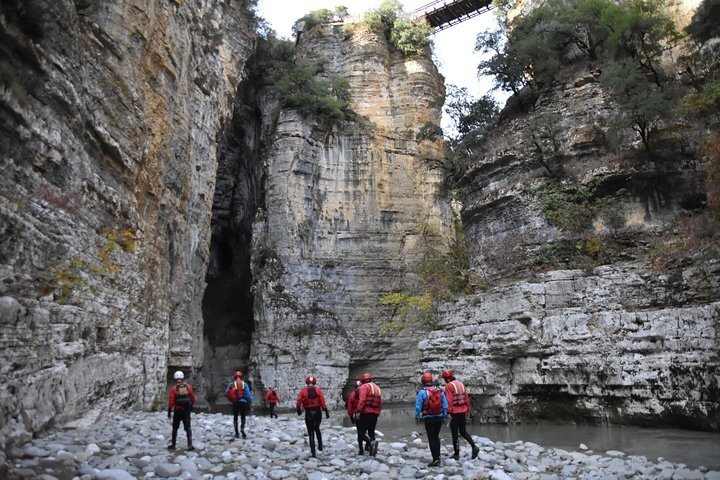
[227, 305]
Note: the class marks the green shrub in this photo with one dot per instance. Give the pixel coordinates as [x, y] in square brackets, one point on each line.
[301, 90]
[412, 37]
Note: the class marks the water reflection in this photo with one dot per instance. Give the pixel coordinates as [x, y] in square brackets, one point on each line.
[678, 446]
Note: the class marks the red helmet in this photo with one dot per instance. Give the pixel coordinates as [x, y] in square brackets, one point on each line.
[358, 383]
[311, 380]
[426, 378]
[366, 377]
[447, 374]
[237, 374]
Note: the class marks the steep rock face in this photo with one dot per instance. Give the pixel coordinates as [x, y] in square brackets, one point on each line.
[345, 208]
[557, 336]
[110, 115]
[618, 344]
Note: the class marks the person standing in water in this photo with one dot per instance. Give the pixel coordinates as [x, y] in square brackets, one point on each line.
[431, 406]
[311, 398]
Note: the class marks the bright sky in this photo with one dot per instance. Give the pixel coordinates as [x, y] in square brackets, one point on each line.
[454, 47]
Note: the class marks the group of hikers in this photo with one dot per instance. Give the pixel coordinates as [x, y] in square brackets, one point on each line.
[364, 405]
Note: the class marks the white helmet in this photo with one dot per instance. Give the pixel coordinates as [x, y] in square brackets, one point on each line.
[179, 375]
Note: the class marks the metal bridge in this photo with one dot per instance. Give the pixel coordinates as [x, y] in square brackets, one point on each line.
[442, 14]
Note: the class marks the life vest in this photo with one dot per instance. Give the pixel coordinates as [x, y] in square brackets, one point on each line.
[182, 395]
[459, 396]
[312, 399]
[374, 395]
[433, 401]
[272, 396]
[235, 392]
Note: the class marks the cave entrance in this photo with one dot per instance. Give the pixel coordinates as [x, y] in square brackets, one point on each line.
[227, 305]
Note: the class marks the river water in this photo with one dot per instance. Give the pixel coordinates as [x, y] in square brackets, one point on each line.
[692, 448]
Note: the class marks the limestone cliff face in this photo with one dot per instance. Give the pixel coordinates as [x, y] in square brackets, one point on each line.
[110, 114]
[345, 208]
[585, 324]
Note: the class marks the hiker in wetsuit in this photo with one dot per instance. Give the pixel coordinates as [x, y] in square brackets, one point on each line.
[458, 406]
[431, 406]
[180, 401]
[272, 398]
[368, 409]
[352, 402]
[312, 399]
[239, 394]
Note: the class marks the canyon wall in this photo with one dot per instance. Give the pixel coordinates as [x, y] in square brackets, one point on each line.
[613, 320]
[348, 210]
[110, 114]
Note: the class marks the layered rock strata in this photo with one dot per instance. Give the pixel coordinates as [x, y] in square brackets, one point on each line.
[110, 115]
[554, 335]
[346, 208]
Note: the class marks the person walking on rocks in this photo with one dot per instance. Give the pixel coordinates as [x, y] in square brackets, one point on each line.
[369, 406]
[458, 406]
[272, 398]
[353, 401]
[239, 394]
[311, 398]
[180, 402]
[431, 406]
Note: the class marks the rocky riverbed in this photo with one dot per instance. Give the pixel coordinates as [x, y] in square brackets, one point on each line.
[134, 445]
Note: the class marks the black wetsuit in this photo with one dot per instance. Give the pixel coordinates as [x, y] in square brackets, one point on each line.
[313, 419]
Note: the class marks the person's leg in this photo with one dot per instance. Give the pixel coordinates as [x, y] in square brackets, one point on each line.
[317, 423]
[309, 424]
[243, 415]
[188, 428]
[272, 410]
[372, 423]
[176, 419]
[236, 410]
[432, 428]
[454, 427]
[462, 422]
[361, 426]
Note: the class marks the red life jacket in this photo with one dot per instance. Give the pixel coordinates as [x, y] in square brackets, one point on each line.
[433, 401]
[312, 399]
[236, 392]
[272, 396]
[458, 400]
[373, 398]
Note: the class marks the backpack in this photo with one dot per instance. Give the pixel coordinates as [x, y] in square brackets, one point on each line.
[433, 402]
[236, 393]
[311, 392]
[182, 395]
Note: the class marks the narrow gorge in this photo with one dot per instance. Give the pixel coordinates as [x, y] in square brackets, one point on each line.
[164, 206]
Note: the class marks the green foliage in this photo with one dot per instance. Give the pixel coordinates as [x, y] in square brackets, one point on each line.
[504, 65]
[383, 18]
[412, 37]
[472, 119]
[429, 131]
[442, 276]
[704, 104]
[301, 90]
[573, 209]
[643, 105]
[641, 32]
[705, 23]
[542, 135]
[532, 48]
[469, 114]
[320, 17]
